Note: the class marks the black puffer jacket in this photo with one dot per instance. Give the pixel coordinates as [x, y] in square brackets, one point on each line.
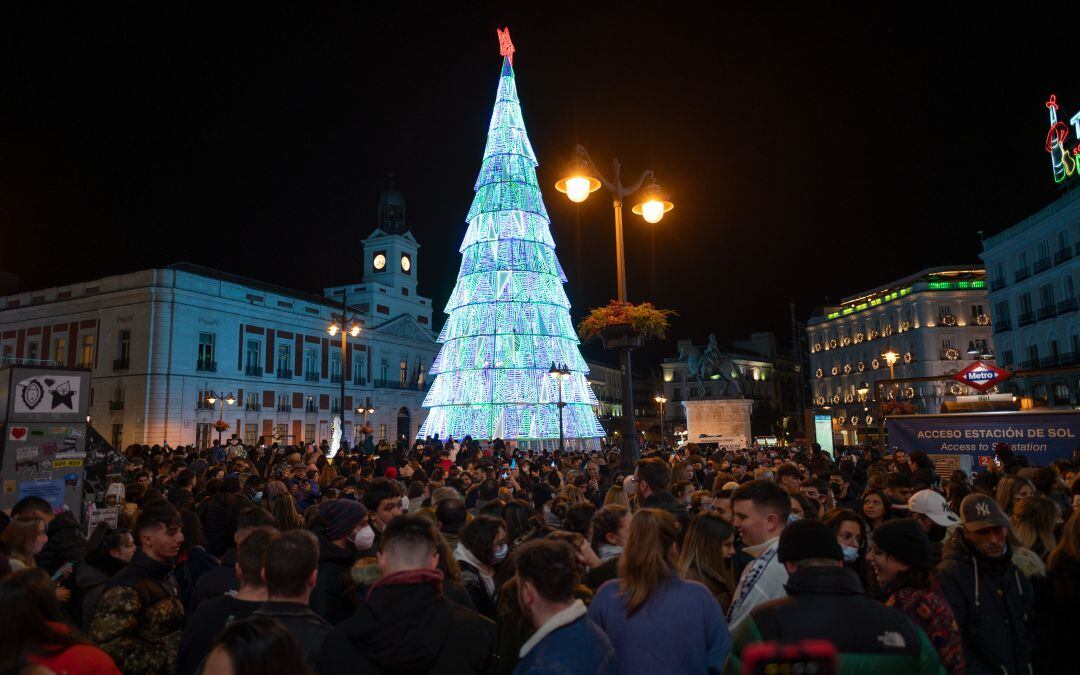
[66, 543]
[992, 601]
[216, 523]
[406, 627]
[329, 598]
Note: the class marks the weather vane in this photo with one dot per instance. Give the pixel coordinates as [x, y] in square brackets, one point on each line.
[506, 47]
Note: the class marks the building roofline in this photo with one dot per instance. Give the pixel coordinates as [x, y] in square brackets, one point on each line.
[1067, 200]
[212, 273]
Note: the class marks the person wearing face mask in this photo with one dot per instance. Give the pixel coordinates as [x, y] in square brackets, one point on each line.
[901, 561]
[481, 547]
[853, 537]
[384, 500]
[343, 530]
[611, 527]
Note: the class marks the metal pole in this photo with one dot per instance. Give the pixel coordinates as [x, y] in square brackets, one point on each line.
[630, 453]
[341, 401]
[661, 425]
[562, 442]
[221, 418]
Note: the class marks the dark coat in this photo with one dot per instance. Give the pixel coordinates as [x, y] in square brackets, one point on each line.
[474, 586]
[409, 628]
[992, 601]
[139, 619]
[203, 627]
[218, 581]
[66, 543]
[828, 603]
[578, 647]
[329, 599]
[1056, 621]
[667, 502]
[309, 629]
[216, 523]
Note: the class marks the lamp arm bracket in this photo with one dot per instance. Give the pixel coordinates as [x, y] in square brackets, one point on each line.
[608, 185]
[640, 181]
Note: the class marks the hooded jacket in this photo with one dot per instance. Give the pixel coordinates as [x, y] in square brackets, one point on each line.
[66, 543]
[992, 601]
[407, 626]
[139, 618]
[828, 603]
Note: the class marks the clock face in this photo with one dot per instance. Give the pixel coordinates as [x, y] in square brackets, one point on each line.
[379, 261]
[406, 264]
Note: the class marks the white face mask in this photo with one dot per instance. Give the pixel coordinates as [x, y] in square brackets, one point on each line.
[404, 503]
[500, 553]
[851, 554]
[364, 538]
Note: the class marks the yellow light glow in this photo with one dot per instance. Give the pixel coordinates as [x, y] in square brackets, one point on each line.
[230, 400]
[652, 211]
[578, 188]
[891, 357]
[211, 400]
[355, 330]
[332, 329]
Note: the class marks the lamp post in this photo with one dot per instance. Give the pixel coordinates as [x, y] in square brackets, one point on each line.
[661, 400]
[367, 411]
[891, 357]
[560, 373]
[583, 179]
[863, 390]
[342, 323]
[213, 398]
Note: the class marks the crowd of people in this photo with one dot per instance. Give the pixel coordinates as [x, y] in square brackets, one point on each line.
[479, 557]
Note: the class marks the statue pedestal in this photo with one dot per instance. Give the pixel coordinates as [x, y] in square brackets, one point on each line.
[724, 421]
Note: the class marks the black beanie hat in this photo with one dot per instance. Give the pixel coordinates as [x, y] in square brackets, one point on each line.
[808, 539]
[905, 540]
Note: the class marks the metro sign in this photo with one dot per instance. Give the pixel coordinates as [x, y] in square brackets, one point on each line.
[981, 375]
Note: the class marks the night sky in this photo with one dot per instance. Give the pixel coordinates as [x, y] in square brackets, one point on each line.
[809, 154]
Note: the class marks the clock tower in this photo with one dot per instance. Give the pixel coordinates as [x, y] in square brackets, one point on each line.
[389, 284]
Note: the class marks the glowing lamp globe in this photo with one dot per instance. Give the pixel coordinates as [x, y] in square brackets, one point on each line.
[652, 211]
[654, 204]
[578, 187]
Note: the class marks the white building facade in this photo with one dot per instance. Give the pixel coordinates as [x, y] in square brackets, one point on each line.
[159, 341]
[937, 321]
[1033, 269]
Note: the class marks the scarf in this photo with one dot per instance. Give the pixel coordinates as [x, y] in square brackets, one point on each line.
[487, 575]
[608, 552]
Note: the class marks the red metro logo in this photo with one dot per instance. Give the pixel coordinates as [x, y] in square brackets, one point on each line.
[981, 375]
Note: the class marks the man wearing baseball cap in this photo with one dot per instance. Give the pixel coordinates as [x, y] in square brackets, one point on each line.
[826, 602]
[932, 512]
[990, 596]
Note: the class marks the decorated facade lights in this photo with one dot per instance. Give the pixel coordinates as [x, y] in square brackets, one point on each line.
[862, 366]
[887, 330]
[835, 370]
[948, 320]
[952, 353]
[847, 368]
[908, 357]
[859, 337]
[905, 326]
[982, 320]
[845, 341]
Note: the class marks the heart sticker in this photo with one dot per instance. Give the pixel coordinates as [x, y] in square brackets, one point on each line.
[17, 433]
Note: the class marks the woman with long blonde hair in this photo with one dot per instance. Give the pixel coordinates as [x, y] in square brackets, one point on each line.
[1011, 490]
[617, 495]
[651, 605]
[709, 544]
[1033, 522]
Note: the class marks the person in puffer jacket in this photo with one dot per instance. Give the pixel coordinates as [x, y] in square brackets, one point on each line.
[990, 596]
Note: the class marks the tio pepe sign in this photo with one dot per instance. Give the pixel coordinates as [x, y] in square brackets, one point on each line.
[981, 375]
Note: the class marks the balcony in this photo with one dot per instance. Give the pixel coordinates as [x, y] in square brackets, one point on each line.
[360, 381]
[1066, 306]
[1047, 312]
[1028, 365]
[997, 284]
[1063, 255]
[284, 408]
[205, 366]
[1042, 264]
[1049, 361]
[121, 364]
[335, 410]
[1068, 358]
[1021, 274]
[116, 405]
[397, 384]
[310, 407]
[202, 404]
[1025, 319]
[335, 378]
[284, 374]
[253, 371]
[253, 407]
[1002, 325]
[311, 375]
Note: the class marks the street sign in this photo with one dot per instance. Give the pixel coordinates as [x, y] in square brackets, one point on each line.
[981, 375]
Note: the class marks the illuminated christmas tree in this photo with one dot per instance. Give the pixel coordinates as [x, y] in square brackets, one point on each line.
[509, 317]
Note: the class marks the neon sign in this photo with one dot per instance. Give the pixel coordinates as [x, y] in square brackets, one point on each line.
[1062, 160]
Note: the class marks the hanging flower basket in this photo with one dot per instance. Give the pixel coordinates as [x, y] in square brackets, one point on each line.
[221, 425]
[625, 325]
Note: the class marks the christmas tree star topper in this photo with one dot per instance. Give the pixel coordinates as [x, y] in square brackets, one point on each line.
[506, 47]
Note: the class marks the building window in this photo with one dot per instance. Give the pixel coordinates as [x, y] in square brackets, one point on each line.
[1061, 393]
[1033, 355]
[335, 367]
[384, 370]
[205, 353]
[117, 436]
[1021, 260]
[250, 434]
[382, 309]
[253, 357]
[87, 351]
[676, 394]
[359, 370]
[1042, 252]
[309, 433]
[252, 402]
[284, 358]
[1001, 309]
[1046, 294]
[943, 311]
[976, 312]
[1007, 357]
[404, 291]
[60, 351]
[33, 350]
[281, 433]
[311, 362]
[1025, 303]
[123, 345]
[202, 434]
[8, 353]
[404, 379]
[382, 431]
[1068, 292]
[283, 404]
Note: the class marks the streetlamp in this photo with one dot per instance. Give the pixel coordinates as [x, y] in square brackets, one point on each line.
[213, 398]
[582, 179]
[863, 390]
[338, 324]
[367, 411]
[661, 400]
[559, 374]
[891, 357]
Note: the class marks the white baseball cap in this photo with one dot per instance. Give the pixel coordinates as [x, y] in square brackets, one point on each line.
[932, 505]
